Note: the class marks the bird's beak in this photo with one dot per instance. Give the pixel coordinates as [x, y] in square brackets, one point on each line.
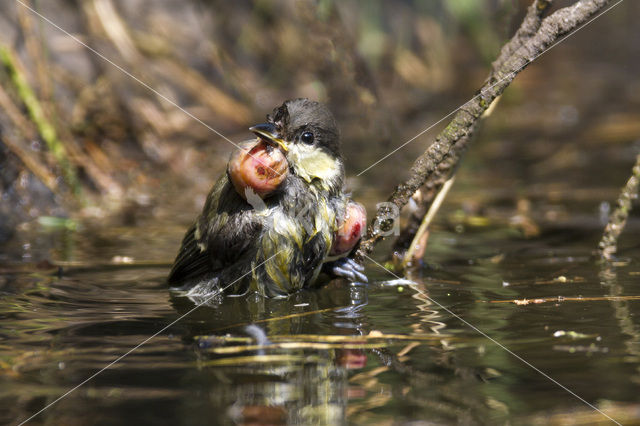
[269, 133]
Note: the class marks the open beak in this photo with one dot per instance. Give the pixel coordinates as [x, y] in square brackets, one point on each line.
[268, 132]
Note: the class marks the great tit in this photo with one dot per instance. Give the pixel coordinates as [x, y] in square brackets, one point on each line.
[279, 241]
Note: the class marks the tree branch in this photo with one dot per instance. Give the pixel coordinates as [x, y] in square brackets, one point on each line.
[447, 168]
[532, 38]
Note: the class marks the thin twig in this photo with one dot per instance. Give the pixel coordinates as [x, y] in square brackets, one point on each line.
[418, 245]
[561, 299]
[34, 45]
[618, 219]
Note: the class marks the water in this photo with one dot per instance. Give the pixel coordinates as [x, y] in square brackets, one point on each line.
[416, 361]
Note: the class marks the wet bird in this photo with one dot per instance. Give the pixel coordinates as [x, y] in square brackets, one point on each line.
[277, 239]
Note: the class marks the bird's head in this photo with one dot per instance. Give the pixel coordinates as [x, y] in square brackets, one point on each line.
[308, 135]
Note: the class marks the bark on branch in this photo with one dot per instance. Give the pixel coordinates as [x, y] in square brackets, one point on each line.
[534, 36]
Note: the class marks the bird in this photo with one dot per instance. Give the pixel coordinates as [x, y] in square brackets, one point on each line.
[280, 240]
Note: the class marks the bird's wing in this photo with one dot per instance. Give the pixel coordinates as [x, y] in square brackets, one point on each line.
[222, 235]
[191, 262]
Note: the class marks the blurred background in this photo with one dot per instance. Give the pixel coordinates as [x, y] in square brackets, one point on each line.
[83, 140]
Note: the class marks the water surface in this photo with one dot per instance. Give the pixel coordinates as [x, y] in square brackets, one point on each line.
[417, 361]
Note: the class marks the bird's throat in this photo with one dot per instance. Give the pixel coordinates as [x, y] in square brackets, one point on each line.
[314, 165]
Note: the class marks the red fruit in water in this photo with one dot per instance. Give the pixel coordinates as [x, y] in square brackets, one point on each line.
[351, 358]
[350, 228]
[259, 166]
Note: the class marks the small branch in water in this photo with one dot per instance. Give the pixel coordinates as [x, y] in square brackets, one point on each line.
[609, 243]
[311, 341]
[560, 299]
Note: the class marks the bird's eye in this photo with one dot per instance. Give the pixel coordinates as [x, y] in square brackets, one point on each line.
[307, 137]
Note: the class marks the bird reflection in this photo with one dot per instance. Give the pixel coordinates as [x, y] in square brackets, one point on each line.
[297, 380]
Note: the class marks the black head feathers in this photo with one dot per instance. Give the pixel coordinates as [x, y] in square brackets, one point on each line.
[298, 117]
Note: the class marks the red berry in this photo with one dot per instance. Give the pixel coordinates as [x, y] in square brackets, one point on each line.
[259, 166]
[350, 228]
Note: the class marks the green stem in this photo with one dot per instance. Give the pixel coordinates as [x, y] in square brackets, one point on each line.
[45, 127]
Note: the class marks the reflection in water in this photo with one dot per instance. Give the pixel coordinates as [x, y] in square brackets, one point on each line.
[279, 316]
[305, 378]
[301, 387]
[623, 313]
[280, 383]
[428, 316]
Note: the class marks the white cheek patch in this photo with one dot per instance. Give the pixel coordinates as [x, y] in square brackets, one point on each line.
[310, 162]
